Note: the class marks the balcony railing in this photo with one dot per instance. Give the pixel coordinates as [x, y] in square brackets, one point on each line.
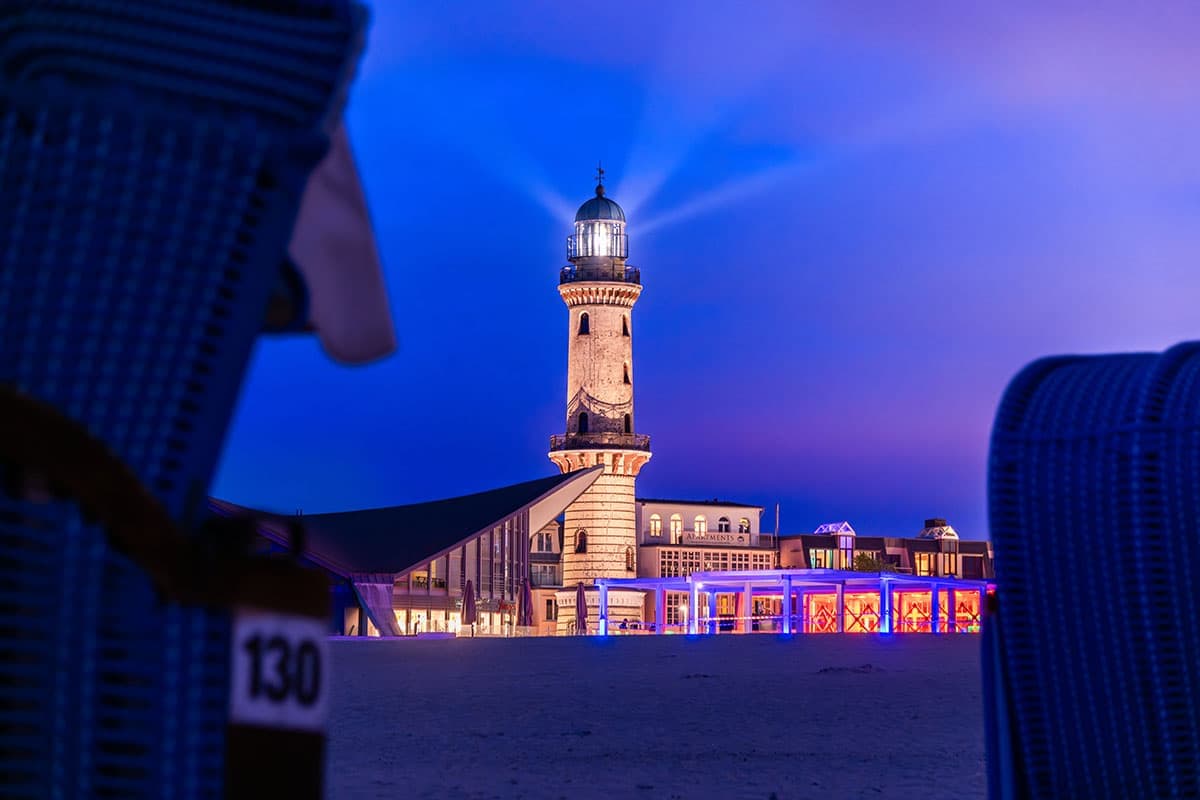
[540, 578]
[600, 441]
[607, 272]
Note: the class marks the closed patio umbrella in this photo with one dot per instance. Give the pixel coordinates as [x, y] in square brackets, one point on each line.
[525, 612]
[580, 610]
[470, 615]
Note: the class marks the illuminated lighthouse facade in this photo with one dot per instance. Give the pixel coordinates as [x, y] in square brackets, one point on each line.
[600, 529]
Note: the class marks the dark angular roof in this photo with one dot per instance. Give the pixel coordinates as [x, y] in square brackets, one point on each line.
[713, 502]
[392, 539]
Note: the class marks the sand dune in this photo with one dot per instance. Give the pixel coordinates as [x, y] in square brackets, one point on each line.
[658, 717]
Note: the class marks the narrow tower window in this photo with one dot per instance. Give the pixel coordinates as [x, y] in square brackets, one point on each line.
[581, 541]
[585, 326]
[676, 528]
[655, 525]
[628, 423]
[626, 374]
[723, 525]
[583, 422]
[629, 564]
[624, 326]
[744, 525]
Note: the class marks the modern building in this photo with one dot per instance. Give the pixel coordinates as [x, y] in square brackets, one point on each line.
[935, 551]
[600, 290]
[404, 570]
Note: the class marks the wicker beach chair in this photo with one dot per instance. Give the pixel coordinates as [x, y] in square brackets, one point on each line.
[152, 159]
[1091, 643]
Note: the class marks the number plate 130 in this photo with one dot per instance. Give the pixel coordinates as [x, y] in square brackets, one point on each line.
[280, 671]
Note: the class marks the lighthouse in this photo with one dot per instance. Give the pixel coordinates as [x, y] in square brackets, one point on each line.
[600, 529]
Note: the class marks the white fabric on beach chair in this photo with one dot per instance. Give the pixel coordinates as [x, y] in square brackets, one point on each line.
[333, 246]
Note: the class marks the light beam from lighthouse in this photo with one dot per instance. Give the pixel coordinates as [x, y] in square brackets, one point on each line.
[600, 289]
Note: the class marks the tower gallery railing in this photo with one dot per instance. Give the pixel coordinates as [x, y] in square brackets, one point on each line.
[595, 441]
[618, 273]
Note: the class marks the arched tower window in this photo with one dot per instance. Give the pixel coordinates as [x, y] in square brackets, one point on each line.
[629, 423]
[676, 528]
[581, 541]
[655, 525]
[700, 525]
[583, 422]
[723, 525]
[626, 374]
[585, 326]
[624, 326]
[630, 566]
[744, 525]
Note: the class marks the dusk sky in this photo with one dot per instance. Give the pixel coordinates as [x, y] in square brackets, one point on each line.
[853, 230]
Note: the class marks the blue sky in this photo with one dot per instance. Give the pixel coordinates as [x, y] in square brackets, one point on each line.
[853, 229]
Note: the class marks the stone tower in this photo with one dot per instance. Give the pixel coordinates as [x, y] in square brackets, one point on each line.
[600, 289]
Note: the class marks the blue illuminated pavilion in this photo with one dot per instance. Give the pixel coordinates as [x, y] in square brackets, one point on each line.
[796, 585]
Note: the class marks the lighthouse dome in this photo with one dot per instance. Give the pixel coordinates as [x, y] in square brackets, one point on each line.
[600, 208]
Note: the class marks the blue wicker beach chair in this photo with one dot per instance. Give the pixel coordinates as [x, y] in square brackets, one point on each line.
[1091, 643]
[152, 158]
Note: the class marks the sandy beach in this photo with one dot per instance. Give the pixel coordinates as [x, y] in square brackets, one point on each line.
[657, 717]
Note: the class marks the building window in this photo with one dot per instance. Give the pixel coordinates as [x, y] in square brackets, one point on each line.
[629, 423]
[700, 525]
[676, 528]
[624, 326]
[550, 611]
[626, 374]
[924, 565]
[744, 525]
[583, 422]
[581, 541]
[655, 525]
[820, 559]
[543, 543]
[949, 564]
[723, 525]
[630, 566]
[585, 325]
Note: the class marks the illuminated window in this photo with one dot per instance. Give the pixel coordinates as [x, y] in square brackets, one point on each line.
[821, 614]
[820, 559]
[627, 374]
[744, 525]
[966, 611]
[723, 525]
[630, 566]
[861, 612]
[629, 423]
[949, 559]
[624, 326]
[585, 326]
[676, 528]
[924, 565]
[700, 526]
[581, 541]
[655, 525]
[583, 422]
